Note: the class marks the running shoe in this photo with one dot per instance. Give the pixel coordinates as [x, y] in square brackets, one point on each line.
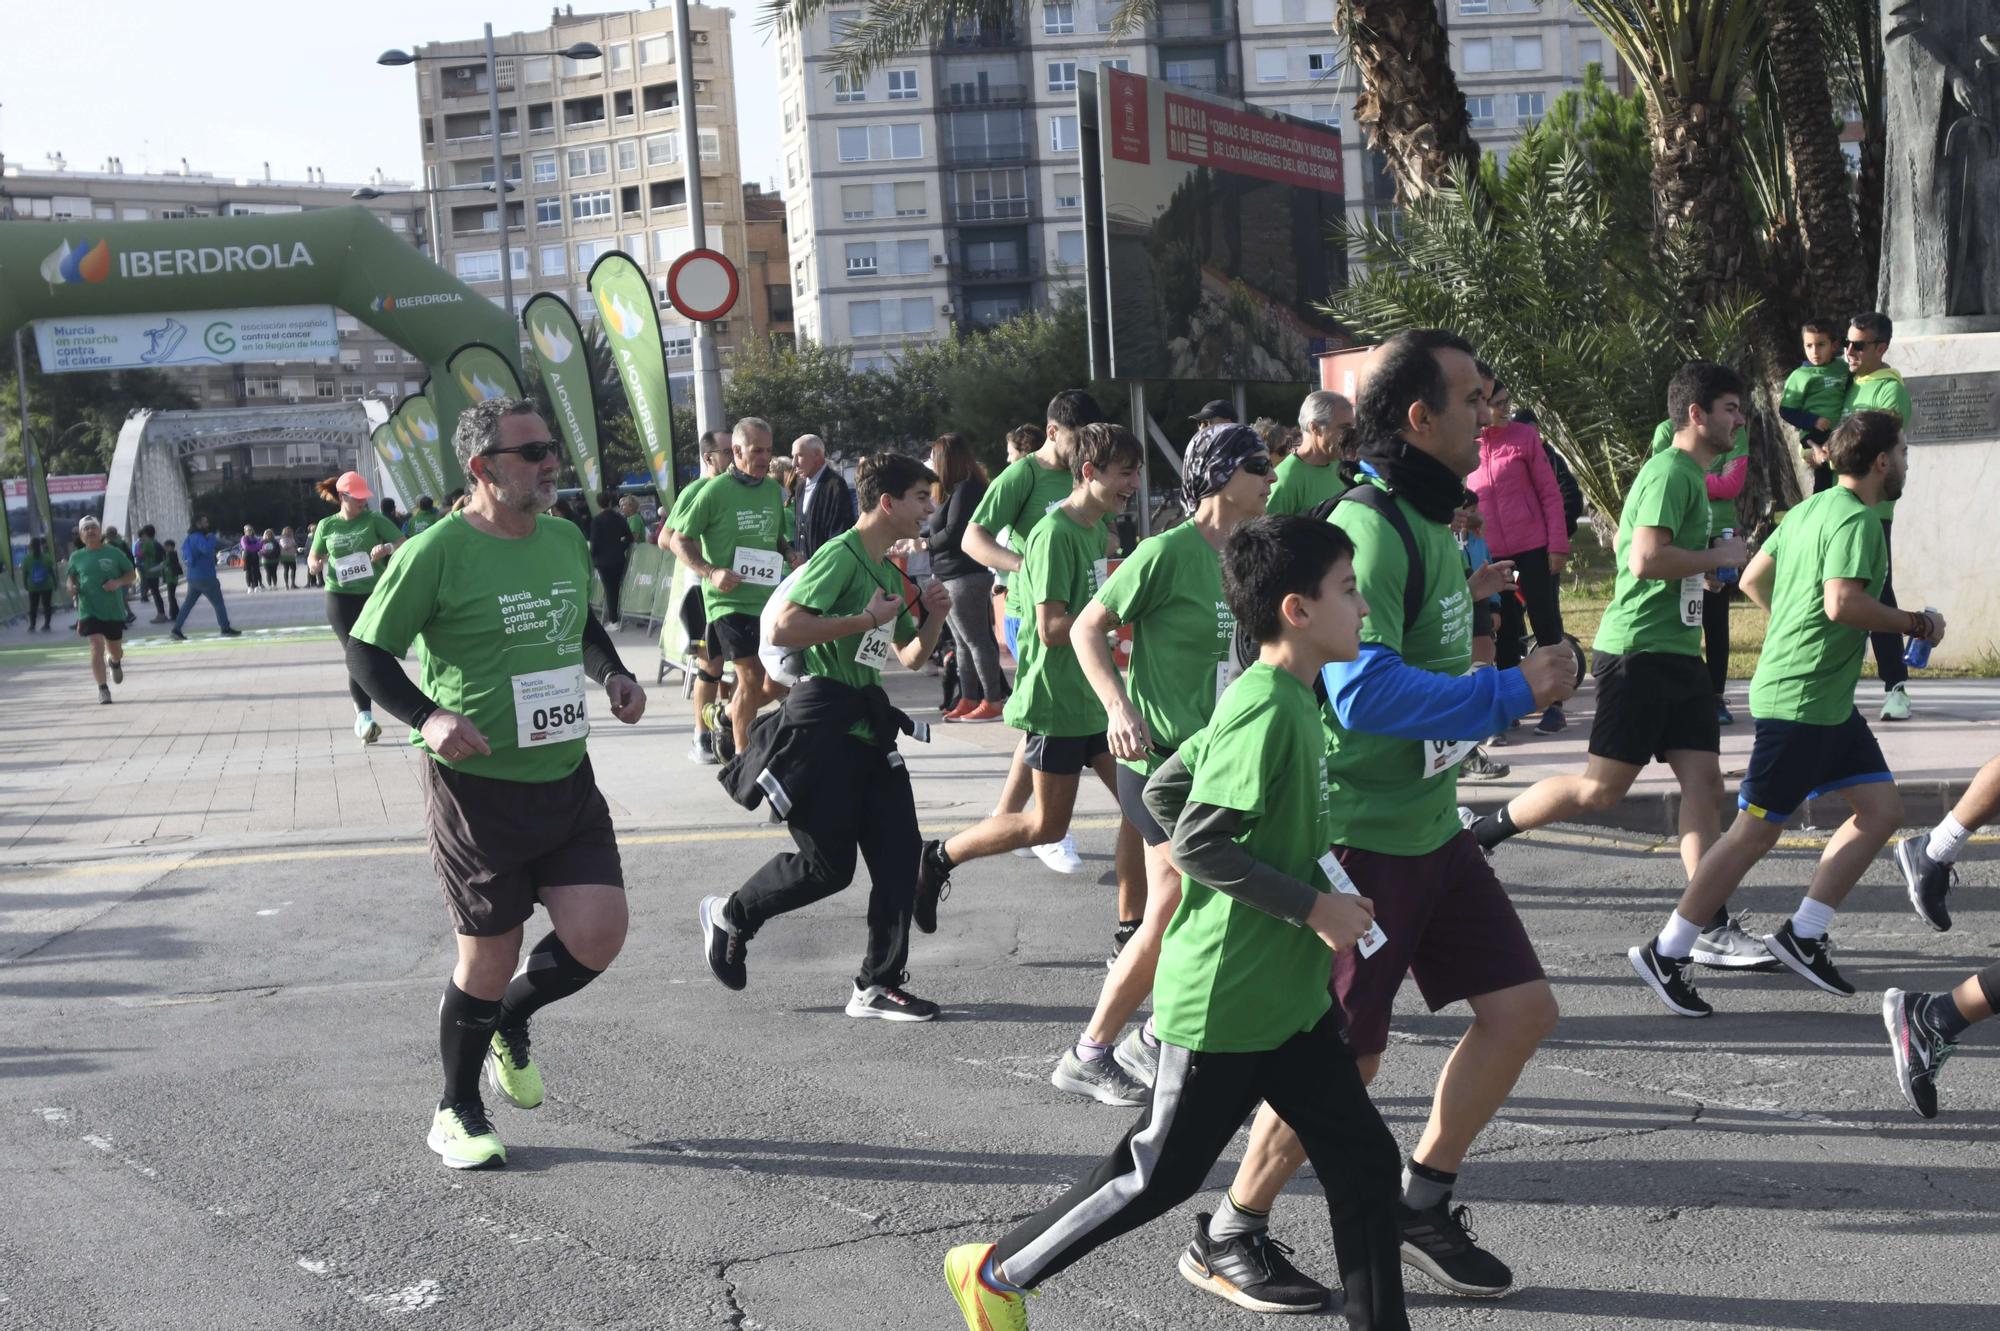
[1478, 767]
[1896, 704]
[724, 951]
[701, 749]
[230, 633]
[957, 711]
[1552, 720]
[1723, 716]
[1918, 1050]
[104, 693]
[462, 1134]
[986, 711]
[366, 729]
[1438, 1241]
[511, 1071]
[1138, 1057]
[890, 1003]
[1812, 958]
[1667, 977]
[1728, 946]
[117, 672]
[1061, 855]
[1104, 1080]
[985, 1308]
[1252, 1271]
[1928, 881]
[933, 886]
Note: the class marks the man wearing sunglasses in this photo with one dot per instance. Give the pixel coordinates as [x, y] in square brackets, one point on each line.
[1878, 387]
[499, 594]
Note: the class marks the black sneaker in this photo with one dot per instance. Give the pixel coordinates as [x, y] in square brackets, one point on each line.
[1918, 1050]
[933, 886]
[1478, 767]
[1251, 1271]
[1928, 881]
[232, 633]
[1667, 977]
[723, 949]
[177, 635]
[890, 1003]
[1810, 957]
[1438, 1242]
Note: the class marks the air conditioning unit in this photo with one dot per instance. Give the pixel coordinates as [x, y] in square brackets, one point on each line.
[937, 261]
[700, 39]
[946, 310]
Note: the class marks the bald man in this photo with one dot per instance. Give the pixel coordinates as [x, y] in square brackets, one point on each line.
[825, 504]
[1310, 475]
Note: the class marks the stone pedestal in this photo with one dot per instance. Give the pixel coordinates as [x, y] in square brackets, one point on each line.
[1947, 534]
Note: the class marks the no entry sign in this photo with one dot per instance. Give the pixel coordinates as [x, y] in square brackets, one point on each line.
[702, 284]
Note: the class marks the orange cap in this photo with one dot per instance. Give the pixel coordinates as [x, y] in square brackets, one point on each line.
[354, 485]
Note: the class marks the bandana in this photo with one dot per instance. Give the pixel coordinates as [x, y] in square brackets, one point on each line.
[1212, 457]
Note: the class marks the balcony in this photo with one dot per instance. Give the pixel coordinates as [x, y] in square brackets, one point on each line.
[990, 210]
[984, 39]
[1182, 21]
[1218, 83]
[989, 94]
[1000, 270]
[983, 153]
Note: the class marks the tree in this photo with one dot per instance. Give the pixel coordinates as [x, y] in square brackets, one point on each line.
[1797, 63]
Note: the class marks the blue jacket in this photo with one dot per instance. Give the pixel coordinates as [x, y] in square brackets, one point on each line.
[198, 556]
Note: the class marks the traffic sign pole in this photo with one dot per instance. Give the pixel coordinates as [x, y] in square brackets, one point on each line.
[707, 366]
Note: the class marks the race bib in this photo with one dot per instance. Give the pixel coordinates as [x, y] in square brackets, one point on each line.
[875, 645]
[549, 707]
[357, 567]
[1371, 942]
[1691, 592]
[1441, 755]
[1225, 675]
[761, 568]
[1100, 569]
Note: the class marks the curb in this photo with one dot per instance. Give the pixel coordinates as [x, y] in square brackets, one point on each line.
[1925, 801]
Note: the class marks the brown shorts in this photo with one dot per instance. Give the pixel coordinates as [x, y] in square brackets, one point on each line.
[497, 844]
[1450, 926]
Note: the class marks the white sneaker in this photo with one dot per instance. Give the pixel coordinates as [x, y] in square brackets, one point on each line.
[1061, 855]
[1896, 705]
[366, 729]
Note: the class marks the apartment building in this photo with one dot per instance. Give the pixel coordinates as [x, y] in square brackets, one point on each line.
[945, 189]
[767, 290]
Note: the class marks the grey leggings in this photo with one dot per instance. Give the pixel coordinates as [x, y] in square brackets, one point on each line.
[980, 678]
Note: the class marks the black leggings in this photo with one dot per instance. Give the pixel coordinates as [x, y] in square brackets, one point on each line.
[1539, 588]
[1889, 663]
[43, 601]
[1715, 636]
[342, 610]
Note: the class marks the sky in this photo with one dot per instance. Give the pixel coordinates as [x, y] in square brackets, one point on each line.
[292, 84]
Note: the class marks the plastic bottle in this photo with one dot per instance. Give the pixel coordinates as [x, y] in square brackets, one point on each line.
[1917, 656]
[1726, 576]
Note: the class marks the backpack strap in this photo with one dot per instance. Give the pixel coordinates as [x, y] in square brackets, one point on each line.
[1383, 504]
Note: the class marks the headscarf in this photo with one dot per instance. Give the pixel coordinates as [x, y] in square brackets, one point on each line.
[1213, 456]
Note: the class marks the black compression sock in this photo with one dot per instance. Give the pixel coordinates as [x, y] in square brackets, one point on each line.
[550, 973]
[1941, 1014]
[465, 1029]
[1494, 828]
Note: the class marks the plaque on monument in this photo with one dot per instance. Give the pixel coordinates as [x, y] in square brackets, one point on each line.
[1955, 408]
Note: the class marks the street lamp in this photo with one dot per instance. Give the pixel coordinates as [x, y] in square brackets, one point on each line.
[579, 51]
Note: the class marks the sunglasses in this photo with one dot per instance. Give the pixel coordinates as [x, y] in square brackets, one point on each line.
[1860, 346]
[1260, 465]
[529, 452]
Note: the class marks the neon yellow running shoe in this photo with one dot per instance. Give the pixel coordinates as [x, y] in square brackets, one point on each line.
[511, 1071]
[461, 1134]
[985, 1308]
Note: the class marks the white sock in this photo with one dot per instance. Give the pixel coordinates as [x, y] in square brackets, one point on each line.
[1677, 939]
[1946, 838]
[1812, 919]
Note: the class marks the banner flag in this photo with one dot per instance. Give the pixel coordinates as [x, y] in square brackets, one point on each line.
[563, 357]
[482, 372]
[419, 453]
[439, 400]
[397, 462]
[632, 330]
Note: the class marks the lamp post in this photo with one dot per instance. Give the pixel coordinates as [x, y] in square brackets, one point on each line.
[579, 51]
[505, 187]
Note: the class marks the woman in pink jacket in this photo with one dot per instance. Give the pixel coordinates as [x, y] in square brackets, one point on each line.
[1523, 510]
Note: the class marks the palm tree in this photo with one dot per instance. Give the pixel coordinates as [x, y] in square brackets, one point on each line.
[1797, 63]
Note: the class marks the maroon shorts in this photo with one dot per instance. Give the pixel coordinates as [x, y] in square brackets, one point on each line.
[1450, 925]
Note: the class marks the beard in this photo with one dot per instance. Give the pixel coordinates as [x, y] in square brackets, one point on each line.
[1892, 484]
[533, 498]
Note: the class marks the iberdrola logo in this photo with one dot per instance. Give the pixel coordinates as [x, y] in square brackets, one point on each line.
[390, 452]
[88, 262]
[479, 389]
[619, 313]
[555, 348]
[425, 428]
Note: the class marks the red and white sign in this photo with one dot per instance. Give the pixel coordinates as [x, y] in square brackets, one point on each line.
[702, 284]
[1204, 134]
[1129, 130]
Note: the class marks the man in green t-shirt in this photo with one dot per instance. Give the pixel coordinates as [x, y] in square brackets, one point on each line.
[1819, 577]
[1242, 1004]
[1725, 481]
[1878, 387]
[1653, 699]
[498, 595]
[732, 537]
[1310, 474]
[426, 513]
[99, 573]
[702, 659]
[1401, 717]
[1062, 567]
[835, 775]
[150, 558]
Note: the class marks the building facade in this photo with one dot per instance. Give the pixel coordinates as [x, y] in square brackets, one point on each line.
[767, 288]
[945, 189]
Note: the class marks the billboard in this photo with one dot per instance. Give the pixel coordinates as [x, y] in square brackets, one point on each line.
[70, 345]
[71, 498]
[1208, 234]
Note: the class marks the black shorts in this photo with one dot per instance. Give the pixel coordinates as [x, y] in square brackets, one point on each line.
[1650, 704]
[1131, 788]
[733, 637]
[111, 629]
[497, 844]
[1792, 761]
[1063, 755]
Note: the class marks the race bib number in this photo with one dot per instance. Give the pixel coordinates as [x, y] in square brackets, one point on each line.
[1441, 755]
[1100, 569]
[875, 645]
[1691, 600]
[1225, 675]
[1371, 942]
[549, 707]
[761, 568]
[357, 567]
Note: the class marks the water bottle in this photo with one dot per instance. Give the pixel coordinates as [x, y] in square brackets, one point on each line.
[1725, 576]
[1918, 655]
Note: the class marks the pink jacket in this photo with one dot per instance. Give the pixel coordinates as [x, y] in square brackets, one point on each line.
[1518, 497]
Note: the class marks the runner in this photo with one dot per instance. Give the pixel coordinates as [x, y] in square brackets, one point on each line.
[1023, 494]
[1725, 480]
[421, 519]
[1170, 593]
[1311, 475]
[347, 550]
[200, 549]
[1653, 692]
[151, 558]
[707, 665]
[1926, 859]
[1817, 577]
[38, 578]
[1061, 568]
[99, 573]
[828, 759]
[499, 598]
[1402, 716]
[1242, 996]
[1924, 1030]
[731, 536]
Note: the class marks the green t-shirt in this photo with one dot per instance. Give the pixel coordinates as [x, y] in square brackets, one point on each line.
[1722, 511]
[89, 569]
[339, 539]
[421, 520]
[1883, 390]
[1810, 664]
[1645, 613]
[501, 622]
[1301, 487]
[638, 526]
[729, 517]
[1232, 979]
[152, 558]
[1820, 389]
[1384, 801]
[1170, 591]
[840, 579]
[1022, 495]
[683, 499]
[1063, 562]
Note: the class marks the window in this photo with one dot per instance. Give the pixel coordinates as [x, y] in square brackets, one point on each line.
[478, 266]
[656, 50]
[902, 85]
[863, 143]
[857, 202]
[842, 22]
[861, 260]
[628, 155]
[1326, 113]
[677, 342]
[1069, 248]
[545, 168]
[1480, 111]
[548, 212]
[1062, 134]
[1272, 66]
[916, 312]
[592, 161]
[1062, 76]
[1477, 54]
[864, 318]
[1058, 18]
[853, 141]
[913, 257]
[351, 392]
[387, 355]
[1323, 63]
[1528, 106]
[535, 69]
[133, 214]
[621, 56]
[1527, 52]
[578, 69]
[711, 144]
[669, 243]
[351, 357]
[872, 318]
[554, 258]
[662, 150]
[910, 200]
[1122, 62]
[1069, 189]
[589, 251]
[1474, 7]
[1590, 53]
[846, 89]
[589, 204]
